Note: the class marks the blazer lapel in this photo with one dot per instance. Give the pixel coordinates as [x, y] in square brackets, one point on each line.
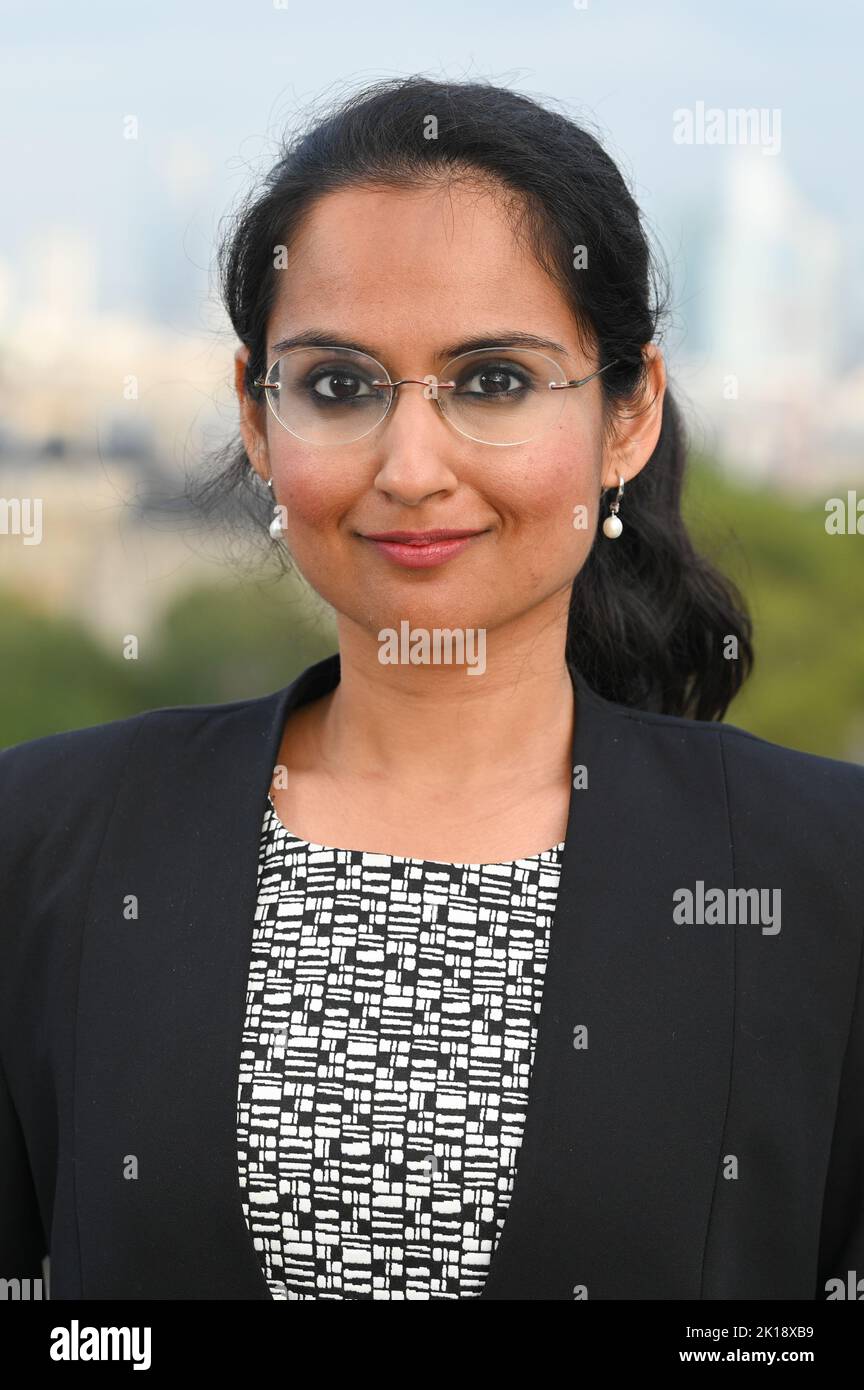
[622, 1137]
[623, 1131]
[162, 1004]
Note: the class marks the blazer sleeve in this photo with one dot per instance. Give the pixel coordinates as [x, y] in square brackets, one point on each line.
[42, 837]
[841, 1245]
[22, 1239]
[805, 811]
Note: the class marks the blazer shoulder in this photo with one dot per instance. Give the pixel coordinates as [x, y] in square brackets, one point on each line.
[770, 771]
[92, 758]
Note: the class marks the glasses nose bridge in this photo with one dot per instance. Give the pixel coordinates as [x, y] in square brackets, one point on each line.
[432, 384]
[430, 381]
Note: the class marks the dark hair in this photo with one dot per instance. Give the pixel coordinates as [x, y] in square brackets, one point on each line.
[649, 616]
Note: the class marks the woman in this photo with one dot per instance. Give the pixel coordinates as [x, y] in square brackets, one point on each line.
[277, 973]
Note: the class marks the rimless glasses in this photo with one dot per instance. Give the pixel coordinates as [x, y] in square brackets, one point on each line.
[500, 396]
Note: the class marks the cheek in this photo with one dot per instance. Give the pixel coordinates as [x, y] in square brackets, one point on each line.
[554, 500]
[311, 489]
[546, 501]
[555, 492]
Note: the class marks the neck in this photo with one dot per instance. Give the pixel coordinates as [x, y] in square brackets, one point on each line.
[437, 726]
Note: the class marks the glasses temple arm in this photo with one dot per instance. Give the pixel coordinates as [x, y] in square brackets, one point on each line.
[563, 385]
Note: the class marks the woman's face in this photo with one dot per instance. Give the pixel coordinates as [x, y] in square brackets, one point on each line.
[407, 274]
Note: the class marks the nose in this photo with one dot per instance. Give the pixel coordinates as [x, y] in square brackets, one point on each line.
[416, 449]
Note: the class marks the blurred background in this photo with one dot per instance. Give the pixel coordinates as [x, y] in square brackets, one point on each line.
[129, 135]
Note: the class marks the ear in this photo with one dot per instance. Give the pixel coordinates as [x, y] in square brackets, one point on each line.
[253, 429]
[636, 431]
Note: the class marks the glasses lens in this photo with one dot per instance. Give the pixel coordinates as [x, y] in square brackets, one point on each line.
[327, 395]
[502, 395]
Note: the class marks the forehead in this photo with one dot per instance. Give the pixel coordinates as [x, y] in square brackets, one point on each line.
[409, 266]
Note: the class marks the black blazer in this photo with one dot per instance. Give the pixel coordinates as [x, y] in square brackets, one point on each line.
[708, 1142]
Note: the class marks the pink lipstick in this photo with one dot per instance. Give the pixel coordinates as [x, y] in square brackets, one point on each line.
[421, 549]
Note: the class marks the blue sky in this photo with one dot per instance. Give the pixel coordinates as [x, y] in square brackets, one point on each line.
[214, 85]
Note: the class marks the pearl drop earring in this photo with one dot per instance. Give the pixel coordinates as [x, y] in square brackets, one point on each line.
[612, 526]
[276, 524]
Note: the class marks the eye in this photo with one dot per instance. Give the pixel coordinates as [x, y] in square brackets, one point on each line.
[339, 384]
[496, 381]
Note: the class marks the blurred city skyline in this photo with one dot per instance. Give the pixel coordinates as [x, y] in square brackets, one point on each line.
[107, 249]
[773, 384]
[130, 137]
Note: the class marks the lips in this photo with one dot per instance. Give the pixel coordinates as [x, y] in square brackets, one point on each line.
[420, 550]
[419, 537]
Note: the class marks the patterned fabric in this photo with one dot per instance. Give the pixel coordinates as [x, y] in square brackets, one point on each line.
[391, 1018]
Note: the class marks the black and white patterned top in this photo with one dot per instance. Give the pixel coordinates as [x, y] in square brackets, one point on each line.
[391, 1018]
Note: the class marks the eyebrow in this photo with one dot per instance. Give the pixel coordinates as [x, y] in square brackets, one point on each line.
[314, 337]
